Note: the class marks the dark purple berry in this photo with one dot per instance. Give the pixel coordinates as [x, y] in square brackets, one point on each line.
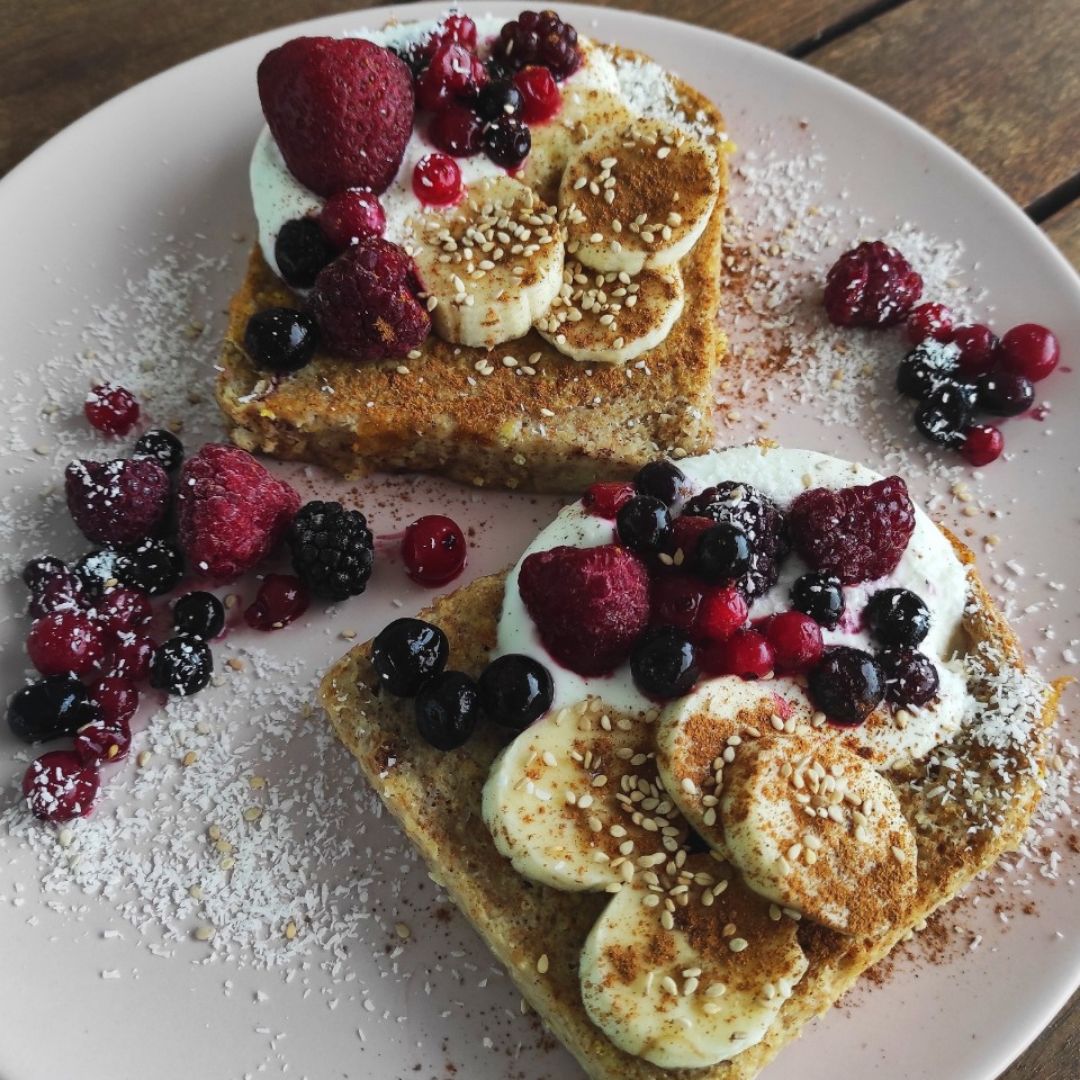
[447, 709]
[507, 141]
[406, 653]
[538, 37]
[182, 666]
[911, 679]
[897, 617]
[497, 99]
[281, 339]
[301, 251]
[201, 614]
[50, 708]
[945, 413]
[1004, 393]
[846, 685]
[663, 480]
[516, 690]
[724, 553]
[926, 367]
[161, 445]
[819, 595]
[643, 524]
[37, 572]
[663, 663]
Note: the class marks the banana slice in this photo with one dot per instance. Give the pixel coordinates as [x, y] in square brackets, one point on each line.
[638, 195]
[813, 827]
[491, 266]
[611, 317]
[574, 801]
[690, 971]
[698, 736]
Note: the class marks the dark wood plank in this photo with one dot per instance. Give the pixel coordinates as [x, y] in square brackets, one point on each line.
[1056, 1053]
[996, 79]
[1064, 229]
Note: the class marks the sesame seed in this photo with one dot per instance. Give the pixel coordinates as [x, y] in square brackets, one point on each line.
[738, 944]
[542, 964]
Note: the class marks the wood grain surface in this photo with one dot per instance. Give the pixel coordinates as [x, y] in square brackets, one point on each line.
[999, 80]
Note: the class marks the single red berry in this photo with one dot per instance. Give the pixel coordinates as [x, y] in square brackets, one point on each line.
[434, 550]
[983, 443]
[281, 599]
[65, 641]
[686, 531]
[111, 409]
[723, 611]
[978, 346]
[351, 216]
[605, 499]
[117, 698]
[62, 592]
[540, 94]
[930, 320]
[454, 73]
[676, 601]
[103, 742]
[117, 502]
[436, 180]
[123, 609]
[871, 285]
[459, 28]
[130, 656]
[1031, 350]
[796, 641]
[457, 130]
[746, 653]
[58, 786]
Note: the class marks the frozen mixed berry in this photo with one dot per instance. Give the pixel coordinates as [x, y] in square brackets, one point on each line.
[455, 27]
[589, 604]
[663, 663]
[760, 518]
[436, 180]
[499, 98]
[457, 130]
[232, 512]
[50, 708]
[103, 742]
[406, 653]
[332, 549]
[58, 787]
[897, 617]
[64, 592]
[454, 74]
[301, 251]
[130, 656]
[796, 642]
[846, 685]
[281, 339]
[1030, 350]
[944, 414]
[153, 567]
[819, 595]
[926, 367]
[872, 285]
[1005, 393]
[605, 499]
[182, 666]
[348, 217]
[365, 302]
[516, 690]
[663, 480]
[434, 550]
[983, 443]
[281, 599]
[200, 614]
[676, 601]
[540, 94]
[117, 502]
[643, 524]
[37, 573]
[858, 533]
[911, 678]
[507, 141]
[724, 553]
[930, 320]
[100, 570]
[447, 709]
[65, 642]
[161, 446]
[111, 409]
[723, 611]
[686, 533]
[977, 348]
[122, 609]
[116, 698]
[538, 37]
[340, 111]
[747, 654]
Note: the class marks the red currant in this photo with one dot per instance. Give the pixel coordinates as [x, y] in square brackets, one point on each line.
[929, 321]
[436, 180]
[130, 656]
[111, 409]
[62, 592]
[686, 532]
[723, 611]
[58, 786]
[978, 347]
[454, 72]
[1031, 350]
[351, 216]
[281, 599]
[676, 601]
[983, 443]
[123, 609]
[117, 698]
[65, 641]
[749, 655]
[540, 94]
[434, 550]
[796, 641]
[457, 130]
[605, 499]
[103, 741]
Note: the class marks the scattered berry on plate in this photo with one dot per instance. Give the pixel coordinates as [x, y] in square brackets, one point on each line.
[796, 642]
[541, 98]
[63, 592]
[507, 141]
[161, 446]
[350, 216]
[897, 617]
[663, 480]
[643, 524]
[332, 549]
[37, 573]
[103, 742]
[58, 787]
[122, 609]
[181, 666]
[499, 98]
[130, 656]
[926, 367]
[846, 684]
[929, 320]
[301, 251]
[111, 409]
[724, 553]
[281, 339]
[944, 414]
[871, 285]
[676, 601]
[977, 345]
[1005, 393]
[515, 690]
[434, 550]
[153, 567]
[407, 652]
[65, 642]
[723, 611]
[538, 37]
[50, 708]
[1030, 350]
[200, 614]
[436, 180]
[663, 663]
[117, 502]
[983, 443]
[819, 595]
[605, 498]
[457, 131]
[100, 570]
[911, 679]
[281, 599]
[447, 709]
[116, 698]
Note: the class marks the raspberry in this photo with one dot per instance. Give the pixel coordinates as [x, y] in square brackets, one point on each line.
[872, 285]
[453, 74]
[351, 216]
[762, 521]
[589, 604]
[929, 321]
[796, 641]
[723, 611]
[436, 180]
[607, 499]
[117, 502]
[540, 94]
[232, 512]
[857, 533]
[538, 37]
[65, 642]
[457, 130]
[111, 409]
[340, 111]
[365, 303]
[58, 786]
[434, 550]
[281, 599]
[332, 549]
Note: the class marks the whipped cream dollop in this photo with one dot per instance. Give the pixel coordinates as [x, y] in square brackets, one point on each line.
[929, 567]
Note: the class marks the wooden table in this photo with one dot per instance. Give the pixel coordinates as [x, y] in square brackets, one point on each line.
[996, 79]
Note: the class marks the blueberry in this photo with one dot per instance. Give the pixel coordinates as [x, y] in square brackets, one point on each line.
[281, 339]
[181, 666]
[154, 567]
[516, 690]
[406, 652]
[1004, 393]
[97, 569]
[661, 479]
[663, 663]
[846, 684]
[507, 141]
[897, 617]
[925, 367]
[38, 571]
[911, 679]
[161, 445]
[644, 524]
[819, 595]
[54, 706]
[499, 98]
[724, 553]
[447, 709]
[301, 251]
[199, 613]
[945, 413]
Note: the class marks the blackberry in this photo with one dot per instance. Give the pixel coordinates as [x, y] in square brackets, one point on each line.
[200, 614]
[507, 141]
[499, 98]
[663, 663]
[897, 617]
[661, 479]
[332, 549]
[820, 596]
[847, 685]
[49, 708]
[925, 367]
[538, 37]
[447, 709]
[153, 567]
[724, 553]
[301, 251]
[182, 666]
[406, 653]
[516, 690]
[911, 679]
[162, 446]
[281, 339]
[644, 524]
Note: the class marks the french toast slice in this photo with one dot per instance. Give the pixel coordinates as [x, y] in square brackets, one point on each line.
[437, 799]
[520, 416]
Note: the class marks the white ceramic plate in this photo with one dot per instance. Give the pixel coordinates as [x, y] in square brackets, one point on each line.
[90, 223]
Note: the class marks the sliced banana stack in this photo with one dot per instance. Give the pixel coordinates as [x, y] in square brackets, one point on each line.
[575, 803]
[610, 317]
[491, 266]
[691, 970]
[638, 195]
[813, 827]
